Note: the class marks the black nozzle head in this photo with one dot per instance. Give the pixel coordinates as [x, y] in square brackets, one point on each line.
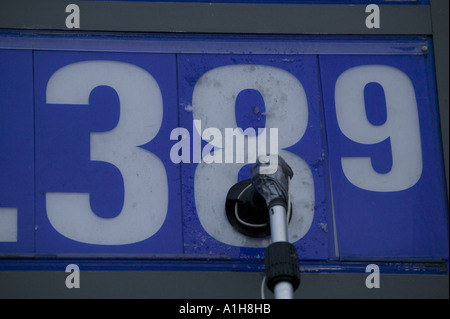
[247, 211]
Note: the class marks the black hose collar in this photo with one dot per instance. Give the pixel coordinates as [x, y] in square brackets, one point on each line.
[281, 263]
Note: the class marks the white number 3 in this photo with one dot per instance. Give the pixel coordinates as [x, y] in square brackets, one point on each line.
[144, 175]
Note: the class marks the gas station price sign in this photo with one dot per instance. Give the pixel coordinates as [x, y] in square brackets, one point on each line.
[117, 152]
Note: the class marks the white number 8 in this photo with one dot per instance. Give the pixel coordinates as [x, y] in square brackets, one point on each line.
[286, 109]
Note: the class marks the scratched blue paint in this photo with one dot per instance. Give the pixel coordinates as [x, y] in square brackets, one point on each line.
[314, 245]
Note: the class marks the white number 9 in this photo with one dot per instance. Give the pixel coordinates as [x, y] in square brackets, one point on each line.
[401, 126]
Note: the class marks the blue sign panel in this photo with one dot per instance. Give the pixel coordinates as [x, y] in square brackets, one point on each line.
[269, 100]
[16, 152]
[107, 152]
[104, 179]
[385, 157]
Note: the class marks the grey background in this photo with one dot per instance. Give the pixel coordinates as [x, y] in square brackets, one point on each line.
[214, 17]
[232, 18]
[208, 285]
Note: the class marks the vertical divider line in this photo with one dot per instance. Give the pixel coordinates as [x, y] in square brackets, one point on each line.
[180, 164]
[34, 149]
[327, 161]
